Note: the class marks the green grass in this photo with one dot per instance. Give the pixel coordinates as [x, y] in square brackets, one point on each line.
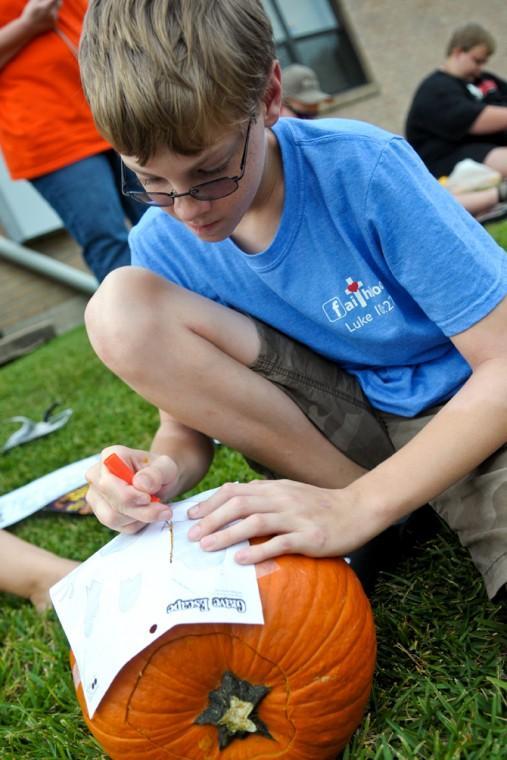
[440, 688]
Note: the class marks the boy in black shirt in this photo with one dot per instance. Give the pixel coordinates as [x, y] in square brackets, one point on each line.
[460, 111]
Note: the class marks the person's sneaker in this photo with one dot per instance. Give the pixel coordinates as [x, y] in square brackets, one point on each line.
[501, 594]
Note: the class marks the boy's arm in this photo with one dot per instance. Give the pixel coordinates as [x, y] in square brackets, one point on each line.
[324, 522]
[37, 17]
[470, 427]
[190, 450]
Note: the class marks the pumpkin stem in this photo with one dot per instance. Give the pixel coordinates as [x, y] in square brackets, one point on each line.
[232, 709]
[236, 718]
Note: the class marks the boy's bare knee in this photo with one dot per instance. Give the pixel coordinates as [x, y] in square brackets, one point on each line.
[118, 317]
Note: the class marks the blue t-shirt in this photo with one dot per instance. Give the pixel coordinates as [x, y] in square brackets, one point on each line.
[373, 265]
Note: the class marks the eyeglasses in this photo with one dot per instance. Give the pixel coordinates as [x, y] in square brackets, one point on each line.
[206, 191]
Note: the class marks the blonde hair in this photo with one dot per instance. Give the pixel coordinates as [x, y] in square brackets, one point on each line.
[173, 73]
[469, 36]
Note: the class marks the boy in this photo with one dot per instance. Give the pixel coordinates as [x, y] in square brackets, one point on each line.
[460, 111]
[306, 293]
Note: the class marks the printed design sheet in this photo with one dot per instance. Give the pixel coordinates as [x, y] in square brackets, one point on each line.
[24, 501]
[139, 586]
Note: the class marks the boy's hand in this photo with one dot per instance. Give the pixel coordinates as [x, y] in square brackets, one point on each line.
[127, 508]
[302, 519]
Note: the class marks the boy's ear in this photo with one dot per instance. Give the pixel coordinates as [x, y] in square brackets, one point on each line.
[272, 100]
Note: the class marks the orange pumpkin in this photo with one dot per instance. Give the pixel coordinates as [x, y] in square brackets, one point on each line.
[295, 687]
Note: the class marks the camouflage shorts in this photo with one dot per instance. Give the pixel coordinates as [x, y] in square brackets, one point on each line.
[475, 508]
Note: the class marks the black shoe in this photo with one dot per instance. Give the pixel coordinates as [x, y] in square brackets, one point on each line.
[501, 595]
[392, 545]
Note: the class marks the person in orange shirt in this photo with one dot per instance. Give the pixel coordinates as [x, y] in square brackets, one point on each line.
[47, 133]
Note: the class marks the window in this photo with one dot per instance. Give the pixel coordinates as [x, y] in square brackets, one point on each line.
[310, 32]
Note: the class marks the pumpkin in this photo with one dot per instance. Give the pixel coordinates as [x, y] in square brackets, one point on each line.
[295, 687]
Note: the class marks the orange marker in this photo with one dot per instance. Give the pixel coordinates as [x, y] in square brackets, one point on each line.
[117, 467]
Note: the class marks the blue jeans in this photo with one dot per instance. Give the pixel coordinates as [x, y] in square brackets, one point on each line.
[87, 197]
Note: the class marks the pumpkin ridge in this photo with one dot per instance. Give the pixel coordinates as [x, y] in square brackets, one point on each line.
[363, 627]
[357, 650]
[139, 730]
[328, 573]
[362, 609]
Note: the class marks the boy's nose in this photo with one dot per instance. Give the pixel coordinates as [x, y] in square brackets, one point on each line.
[188, 209]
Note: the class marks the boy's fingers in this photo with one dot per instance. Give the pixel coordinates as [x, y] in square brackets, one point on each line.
[153, 473]
[115, 484]
[118, 516]
[154, 476]
[274, 547]
[109, 496]
[108, 516]
[92, 473]
[239, 495]
[250, 527]
[155, 512]
[253, 512]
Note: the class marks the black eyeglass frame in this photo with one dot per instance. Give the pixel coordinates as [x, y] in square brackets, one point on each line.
[145, 197]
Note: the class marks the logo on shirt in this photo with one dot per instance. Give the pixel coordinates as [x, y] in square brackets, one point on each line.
[362, 303]
[358, 297]
[487, 86]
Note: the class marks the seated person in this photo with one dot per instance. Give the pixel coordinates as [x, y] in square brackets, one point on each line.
[302, 95]
[460, 111]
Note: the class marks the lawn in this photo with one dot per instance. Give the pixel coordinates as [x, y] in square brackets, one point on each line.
[440, 688]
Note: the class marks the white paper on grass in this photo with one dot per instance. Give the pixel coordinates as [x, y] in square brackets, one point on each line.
[24, 501]
[139, 586]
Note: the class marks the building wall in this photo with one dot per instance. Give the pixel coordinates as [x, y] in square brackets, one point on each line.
[403, 40]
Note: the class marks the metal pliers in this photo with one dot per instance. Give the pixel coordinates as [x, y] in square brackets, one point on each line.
[30, 430]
